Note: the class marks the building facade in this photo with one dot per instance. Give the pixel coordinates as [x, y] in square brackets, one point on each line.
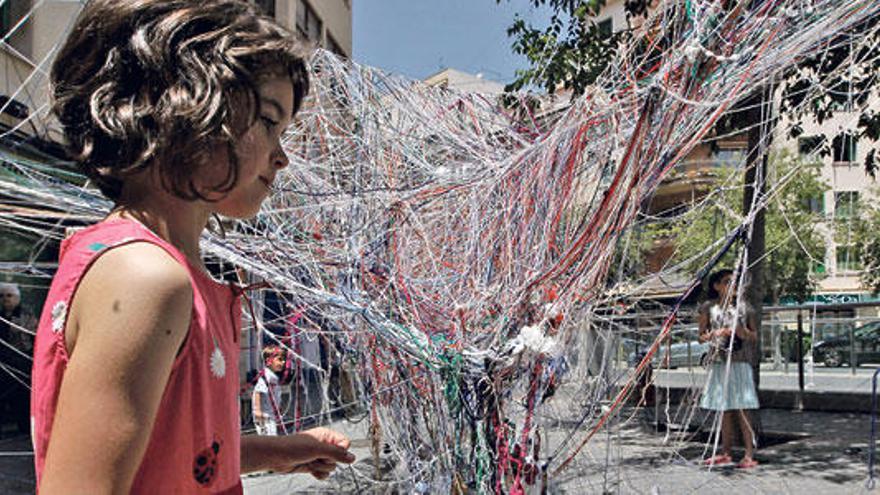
[32, 30]
[463, 81]
[325, 23]
[843, 171]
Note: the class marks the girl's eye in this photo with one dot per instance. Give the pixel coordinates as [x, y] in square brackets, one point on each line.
[269, 123]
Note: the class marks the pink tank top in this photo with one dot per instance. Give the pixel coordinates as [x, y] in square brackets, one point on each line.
[195, 443]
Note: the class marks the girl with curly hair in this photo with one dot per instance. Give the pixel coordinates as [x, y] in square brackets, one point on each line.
[175, 110]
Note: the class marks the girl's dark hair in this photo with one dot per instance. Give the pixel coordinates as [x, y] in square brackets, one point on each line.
[140, 83]
[711, 293]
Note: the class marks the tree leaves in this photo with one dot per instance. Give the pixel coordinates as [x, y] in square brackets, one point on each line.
[572, 52]
[794, 240]
[867, 241]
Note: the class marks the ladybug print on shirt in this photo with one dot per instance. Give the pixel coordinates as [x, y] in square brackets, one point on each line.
[205, 464]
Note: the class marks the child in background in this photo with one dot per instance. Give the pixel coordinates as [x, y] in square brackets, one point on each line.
[175, 110]
[728, 327]
[266, 399]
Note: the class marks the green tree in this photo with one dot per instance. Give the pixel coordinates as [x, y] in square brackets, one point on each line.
[865, 237]
[573, 50]
[795, 241]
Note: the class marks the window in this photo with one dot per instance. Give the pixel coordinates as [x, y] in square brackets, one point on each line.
[729, 157]
[843, 147]
[11, 13]
[831, 323]
[12, 30]
[809, 145]
[267, 7]
[5, 19]
[308, 25]
[868, 331]
[816, 205]
[846, 204]
[606, 28]
[848, 259]
[13, 107]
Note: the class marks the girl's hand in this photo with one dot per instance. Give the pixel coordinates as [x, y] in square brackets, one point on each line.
[722, 332]
[316, 451]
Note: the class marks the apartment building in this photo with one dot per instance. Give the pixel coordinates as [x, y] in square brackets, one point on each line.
[456, 79]
[849, 186]
[326, 23]
[843, 171]
[32, 29]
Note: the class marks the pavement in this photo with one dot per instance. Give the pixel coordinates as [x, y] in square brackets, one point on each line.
[814, 452]
[823, 453]
[826, 454]
[803, 452]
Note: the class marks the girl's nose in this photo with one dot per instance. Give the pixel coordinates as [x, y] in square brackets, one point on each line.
[280, 159]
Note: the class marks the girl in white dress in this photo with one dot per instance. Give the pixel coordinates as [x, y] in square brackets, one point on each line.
[729, 327]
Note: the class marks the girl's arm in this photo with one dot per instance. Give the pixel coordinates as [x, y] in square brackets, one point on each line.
[256, 404]
[704, 333]
[127, 322]
[315, 451]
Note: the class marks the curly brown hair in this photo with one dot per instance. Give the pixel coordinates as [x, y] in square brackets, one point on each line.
[142, 83]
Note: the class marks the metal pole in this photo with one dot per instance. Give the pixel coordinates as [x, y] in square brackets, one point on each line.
[689, 351]
[872, 449]
[852, 350]
[824, 307]
[800, 356]
[785, 343]
[668, 352]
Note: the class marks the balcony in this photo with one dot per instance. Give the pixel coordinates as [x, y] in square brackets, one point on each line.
[685, 184]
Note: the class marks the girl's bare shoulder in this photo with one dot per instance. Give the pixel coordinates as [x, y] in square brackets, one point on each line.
[137, 286]
[140, 268]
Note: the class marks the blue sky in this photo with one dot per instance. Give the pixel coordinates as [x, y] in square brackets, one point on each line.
[417, 38]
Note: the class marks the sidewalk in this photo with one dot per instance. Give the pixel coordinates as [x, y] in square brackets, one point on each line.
[829, 455]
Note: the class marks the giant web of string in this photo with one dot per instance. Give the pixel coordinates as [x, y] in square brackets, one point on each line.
[459, 253]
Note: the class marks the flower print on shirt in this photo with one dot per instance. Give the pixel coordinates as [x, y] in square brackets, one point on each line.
[218, 362]
[59, 314]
